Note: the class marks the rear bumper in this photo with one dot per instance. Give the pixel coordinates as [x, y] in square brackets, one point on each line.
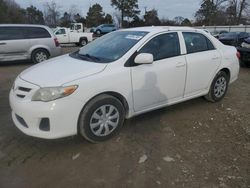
[244, 53]
[55, 52]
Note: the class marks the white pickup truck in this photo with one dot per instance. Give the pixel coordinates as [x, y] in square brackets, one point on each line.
[68, 36]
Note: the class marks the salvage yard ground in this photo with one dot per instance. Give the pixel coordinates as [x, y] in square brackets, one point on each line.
[193, 144]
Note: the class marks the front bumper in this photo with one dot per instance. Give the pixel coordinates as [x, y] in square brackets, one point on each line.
[28, 116]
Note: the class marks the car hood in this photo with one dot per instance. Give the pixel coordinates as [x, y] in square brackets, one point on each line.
[60, 70]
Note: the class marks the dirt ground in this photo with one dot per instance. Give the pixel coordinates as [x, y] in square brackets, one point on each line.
[193, 144]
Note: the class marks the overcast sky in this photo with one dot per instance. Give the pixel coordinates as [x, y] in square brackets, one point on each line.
[166, 8]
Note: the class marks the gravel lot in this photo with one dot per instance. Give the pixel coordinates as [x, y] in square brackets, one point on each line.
[193, 144]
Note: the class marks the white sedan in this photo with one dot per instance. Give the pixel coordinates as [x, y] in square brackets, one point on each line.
[118, 76]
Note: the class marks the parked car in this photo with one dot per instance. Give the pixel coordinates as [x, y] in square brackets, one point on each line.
[27, 42]
[233, 38]
[244, 50]
[67, 36]
[118, 76]
[104, 28]
[218, 34]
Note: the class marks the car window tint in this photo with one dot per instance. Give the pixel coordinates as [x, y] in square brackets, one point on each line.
[11, 33]
[37, 32]
[196, 42]
[163, 46]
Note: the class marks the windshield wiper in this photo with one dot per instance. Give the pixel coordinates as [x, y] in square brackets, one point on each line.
[89, 57]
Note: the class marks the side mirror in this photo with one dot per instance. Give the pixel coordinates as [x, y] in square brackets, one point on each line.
[144, 58]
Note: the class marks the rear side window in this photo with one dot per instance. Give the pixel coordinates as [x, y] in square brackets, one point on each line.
[196, 42]
[11, 33]
[18, 33]
[163, 46]
[36, 32]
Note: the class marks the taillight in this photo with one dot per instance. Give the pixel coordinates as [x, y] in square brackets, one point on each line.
[56, 42]
[238, 54]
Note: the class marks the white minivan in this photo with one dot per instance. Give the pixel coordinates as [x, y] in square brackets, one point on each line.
[118, 76]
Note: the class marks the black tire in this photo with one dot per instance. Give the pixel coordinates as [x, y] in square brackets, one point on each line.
[83, 42]
[87, 116]
[39, 55]
[214, 95]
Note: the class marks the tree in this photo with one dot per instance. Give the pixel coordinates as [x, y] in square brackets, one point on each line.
[151, 18]
[65, 20]
[52, 14]
[186, 22]
[108, 19]
[178, 20]
[95, 15]
[13, 12]
[79, 19]
[235, 10]
[128, 8]
[34, 16]
[3, 12]
[205, 15]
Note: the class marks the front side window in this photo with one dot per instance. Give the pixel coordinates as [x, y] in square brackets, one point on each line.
[163, 46]
[61, 32]
[11, 33]
[196, 42]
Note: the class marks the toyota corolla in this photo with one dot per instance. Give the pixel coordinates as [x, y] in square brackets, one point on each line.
[120, 75]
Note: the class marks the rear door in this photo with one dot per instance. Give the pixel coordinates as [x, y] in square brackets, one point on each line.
[13, 44]
[203, 60]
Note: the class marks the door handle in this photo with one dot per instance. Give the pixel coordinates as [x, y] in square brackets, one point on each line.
[215, 58]
[3, 43]
[180, 64]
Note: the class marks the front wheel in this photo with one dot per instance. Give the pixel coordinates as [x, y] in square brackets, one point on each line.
[101, 118]
[218, 87]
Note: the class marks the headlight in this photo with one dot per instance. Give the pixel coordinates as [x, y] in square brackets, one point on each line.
[53, 93]
[245, 45]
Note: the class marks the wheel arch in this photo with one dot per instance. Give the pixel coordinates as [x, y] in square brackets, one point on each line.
[227, 71]
[83, 38]
[117, 95]
[40, 48]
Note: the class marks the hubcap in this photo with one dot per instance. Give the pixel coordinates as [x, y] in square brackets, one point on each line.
[84, 42]
[41, 56]
[104, 120]
[220, 87]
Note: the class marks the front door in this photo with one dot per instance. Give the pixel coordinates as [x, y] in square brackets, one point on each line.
[164, 80]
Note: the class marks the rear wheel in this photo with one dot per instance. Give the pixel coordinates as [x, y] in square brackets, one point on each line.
[98, 32]
[101, 118]
[39, 55]
[218, 88]
[83, 42]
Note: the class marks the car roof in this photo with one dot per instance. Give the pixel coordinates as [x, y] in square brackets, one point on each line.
[161, 28]
[22, 25]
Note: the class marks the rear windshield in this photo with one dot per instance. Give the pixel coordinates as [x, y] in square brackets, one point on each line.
[17, 33]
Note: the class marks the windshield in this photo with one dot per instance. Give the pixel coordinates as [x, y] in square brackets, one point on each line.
[110, 47]
[230, 35]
